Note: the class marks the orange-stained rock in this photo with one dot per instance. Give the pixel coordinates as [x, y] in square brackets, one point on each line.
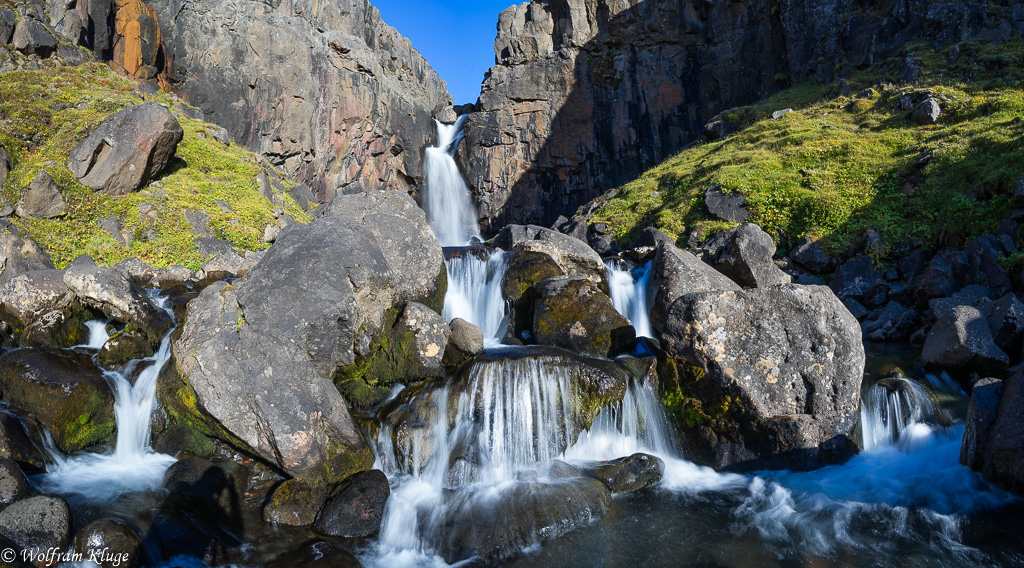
[137, 42]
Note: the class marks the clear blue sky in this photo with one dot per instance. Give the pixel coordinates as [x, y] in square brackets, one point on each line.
[455, 36]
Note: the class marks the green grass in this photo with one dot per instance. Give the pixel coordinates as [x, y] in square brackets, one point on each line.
[45, 113]
[833, 169]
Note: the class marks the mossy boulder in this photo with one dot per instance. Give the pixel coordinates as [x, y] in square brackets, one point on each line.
[524, 270]
[64, 391]
[573, 313]
[295, 502]
[123, 347]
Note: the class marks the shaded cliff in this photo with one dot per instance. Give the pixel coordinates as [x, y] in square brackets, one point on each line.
[326, 91]
[586, 94]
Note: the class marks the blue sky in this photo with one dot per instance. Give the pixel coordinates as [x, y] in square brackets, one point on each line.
[455, 36]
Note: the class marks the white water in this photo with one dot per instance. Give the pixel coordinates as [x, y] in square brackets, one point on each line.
[98, 335]
[132, 466]
[885, 413]
[474, 293]
[629, 294]
[446, 198]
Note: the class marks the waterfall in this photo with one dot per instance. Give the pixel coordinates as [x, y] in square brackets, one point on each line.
[475, 295]
[891, 407]
[628, 290]
[132, 466]
[98, 335]
[446, 198]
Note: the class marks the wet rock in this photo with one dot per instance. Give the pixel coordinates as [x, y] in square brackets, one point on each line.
[211, 489]
[524, 515]
[110, 292]
[466, 340]
[746, 258]
[628, 474]
[357, 508]
[854, 278]
[127, 150]
[317, 555]
[524, 269]
[677, 273]
[123, 347]
[354, 267]
[32, 38]
[572, 313]
[788, 362]
[295, 502]
[64, 391]
[111, 544]
[726, 206]
[573, 256]
[981, 414]
[810, 256]
[16, 443]
[561, 470]
[961, 341]
[14, 485]
[926, 112]
[424, 337]
[42, 199]
[37, 524]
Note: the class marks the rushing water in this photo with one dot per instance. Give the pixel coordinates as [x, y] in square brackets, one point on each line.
[474, 292]
[628, 289]
[98, 479]
[446, 198]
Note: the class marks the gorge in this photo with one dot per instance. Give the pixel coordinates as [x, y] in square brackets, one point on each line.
[268, 298]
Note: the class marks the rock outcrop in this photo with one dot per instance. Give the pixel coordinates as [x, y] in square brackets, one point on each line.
[994, 437]
[258, 357]
[325, 90]
[586, 94]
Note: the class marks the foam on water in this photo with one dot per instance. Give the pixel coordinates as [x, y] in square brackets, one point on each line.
[628, 290]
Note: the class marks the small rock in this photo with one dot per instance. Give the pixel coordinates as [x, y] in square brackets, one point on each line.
[270, 233]
[781, 113]
[629, 474]
[42, 199]
[465, 341]
[111, 544]
[909, 72]
[926, 112]
[295, 502]
[726, 206]
[32, 38]
[14, 485]
[355, 510]
[810, 256]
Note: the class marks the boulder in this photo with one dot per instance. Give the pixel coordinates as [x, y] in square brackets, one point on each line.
[19, 253]
[628, 474]
[523, 269]
[32, 38]
[16, 443]
[356, 508]
[572, 313]
[746, 258]
[981, 414]
[14, 486]
[773, 374]
[7, 22]
[466, 341]
[999, 456]
[260, 364]
[809, 255]
[109, 291]
[961, 342]
[42, 199]
[1005, 318]
[111, 544]
[295, 502]
[127, 150]
[213, 490]
[726, 206]
[37, 524]
[677, 273]
[423, 337]
[925, 112]
[29, 295]
[64, 391]
[573, 256]
[854, 278]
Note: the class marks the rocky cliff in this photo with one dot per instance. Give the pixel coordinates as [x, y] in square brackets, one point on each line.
[327, 91]
[586, 94]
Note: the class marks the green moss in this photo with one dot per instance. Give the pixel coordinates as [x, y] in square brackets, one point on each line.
[835, 167]
[48, 112]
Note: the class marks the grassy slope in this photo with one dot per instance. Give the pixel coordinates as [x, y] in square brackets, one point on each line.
[855, 152]
[45, 113]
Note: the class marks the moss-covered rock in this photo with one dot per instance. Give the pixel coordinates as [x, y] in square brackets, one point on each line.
[123, 347]
[573, 313]
[295, 502]
[524, 270]
[64, 391]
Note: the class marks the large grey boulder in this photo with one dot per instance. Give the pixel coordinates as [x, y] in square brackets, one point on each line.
[746, 257]
[677, 273]
[31, 294]
[128, 150]
[42, 199]
[32, 38]
[357, 508]
[260, 355]
[961, 341]
[37, 524]
[777, 372]
[572, 255]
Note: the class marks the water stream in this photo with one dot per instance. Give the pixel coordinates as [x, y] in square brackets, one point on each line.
[474, 292]
[628, 290]
[446, 198]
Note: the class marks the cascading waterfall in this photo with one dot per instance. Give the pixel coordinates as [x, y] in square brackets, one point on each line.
[889, 408]
[446, 198]
[133, 466]
[628, 289]
[474, 293]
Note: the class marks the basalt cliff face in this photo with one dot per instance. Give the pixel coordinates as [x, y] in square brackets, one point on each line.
[325, 90]
[586, 94]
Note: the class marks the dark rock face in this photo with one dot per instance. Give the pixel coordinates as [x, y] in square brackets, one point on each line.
[64, 391]
[586, 94]
[994, 437]
[854, 278]
[777, 370]
[315, 307]
[677, 273]
[746, 258]
[128, 150]
[355, 102]
[981, 414]
[42, 199]
[112, 544]
[16, 443]
[628, 474]
[572, 313]
[317, 555]
[356, 510]
[810, 256]
[37, 524]
[961, 341]
[726, 206]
